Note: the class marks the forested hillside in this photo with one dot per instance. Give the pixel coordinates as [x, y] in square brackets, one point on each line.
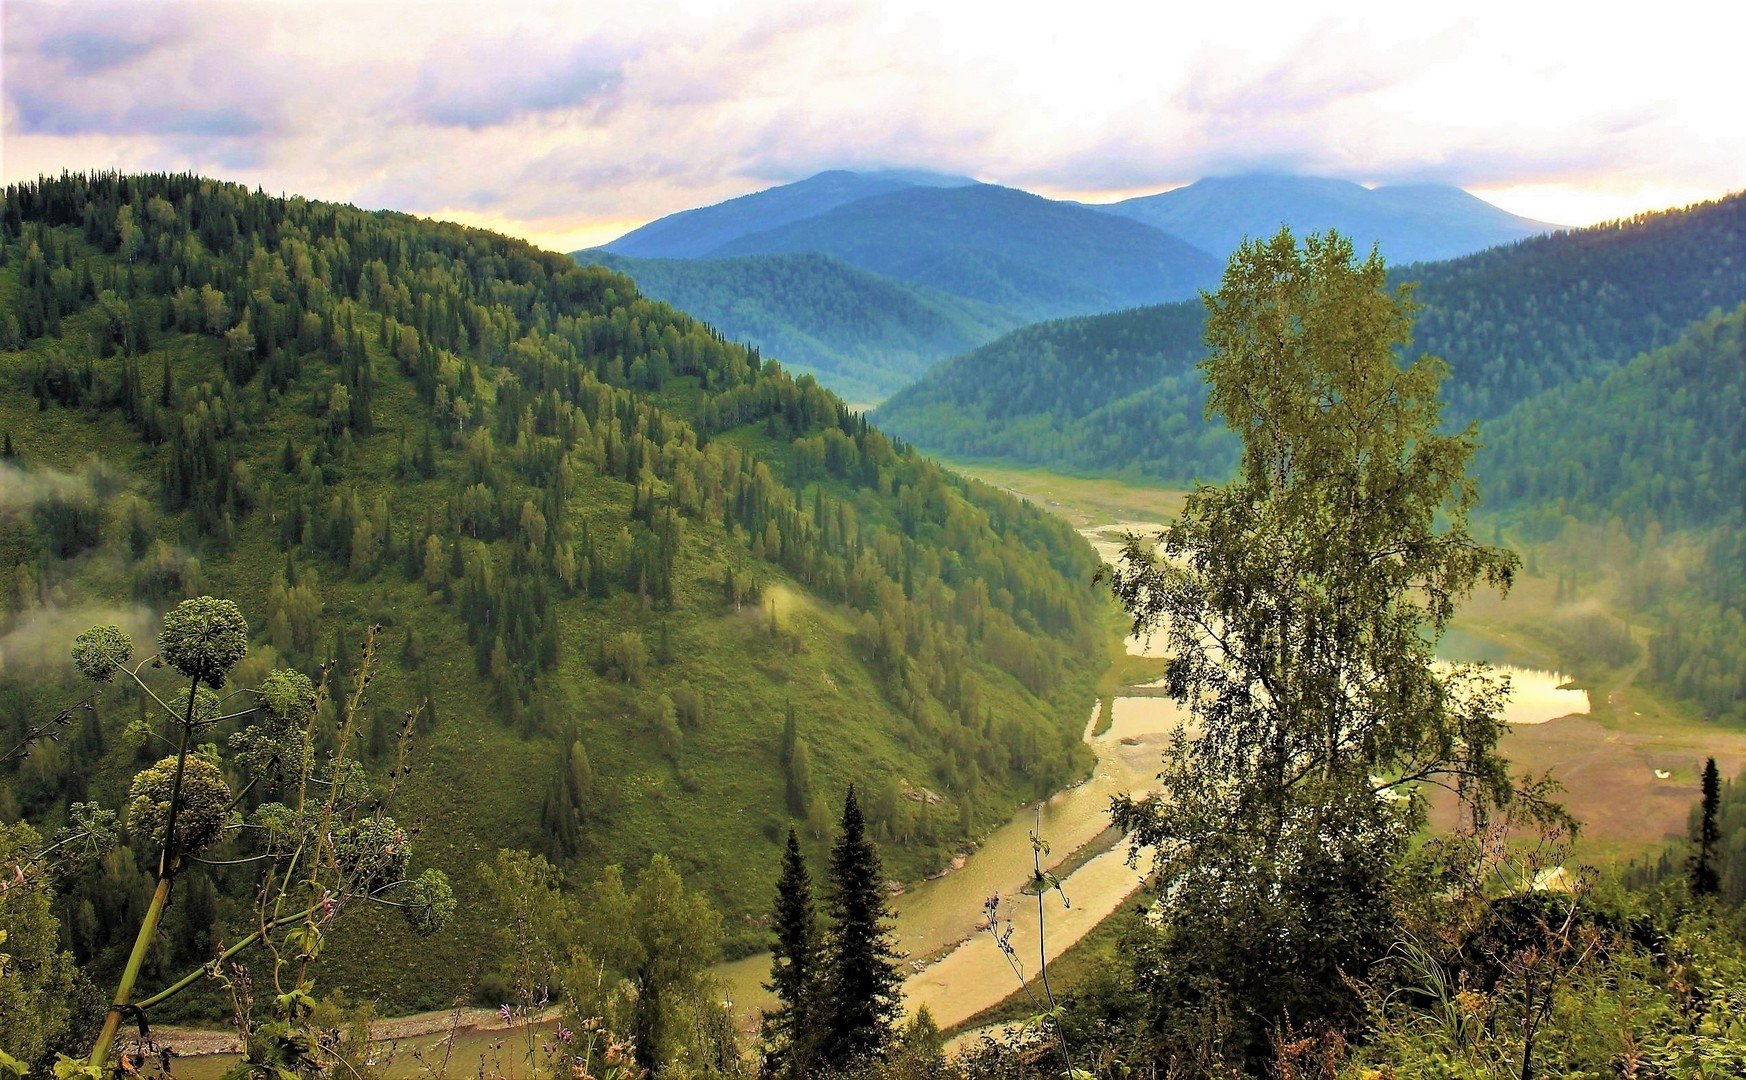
[1097, 393]
[1661, 439]
[864, 336]
[1512, 322]
[644, 591]
[1655, 449]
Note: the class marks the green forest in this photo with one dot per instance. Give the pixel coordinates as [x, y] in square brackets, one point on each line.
[1633, 480]
[1100, 393]
[863, 335]
[638, 592]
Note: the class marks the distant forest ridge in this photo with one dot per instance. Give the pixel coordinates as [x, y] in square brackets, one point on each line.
[1120, 393]
[862, 334]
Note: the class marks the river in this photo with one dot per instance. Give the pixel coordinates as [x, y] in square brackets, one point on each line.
[938, 919]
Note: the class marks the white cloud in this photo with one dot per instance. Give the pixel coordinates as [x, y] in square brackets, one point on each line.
[567, 121]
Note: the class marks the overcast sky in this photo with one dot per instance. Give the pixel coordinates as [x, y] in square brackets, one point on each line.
[572, 123]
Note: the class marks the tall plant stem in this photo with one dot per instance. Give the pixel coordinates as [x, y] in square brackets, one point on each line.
[148, 927]
[187, 980]
[1039, 884]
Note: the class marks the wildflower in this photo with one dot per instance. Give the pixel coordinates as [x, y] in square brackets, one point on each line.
[564, 1034]
[505, 1013]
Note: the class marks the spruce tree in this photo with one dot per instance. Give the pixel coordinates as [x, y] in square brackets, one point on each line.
[1705, 880]
[862, 981]
[790, 1039]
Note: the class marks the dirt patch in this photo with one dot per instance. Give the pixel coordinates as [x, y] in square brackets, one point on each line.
[1609, 777]
[196, 1042]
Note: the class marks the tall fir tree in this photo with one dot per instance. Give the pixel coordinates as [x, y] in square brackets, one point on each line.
[862, 981]
[790, 1036]
[1706, 880]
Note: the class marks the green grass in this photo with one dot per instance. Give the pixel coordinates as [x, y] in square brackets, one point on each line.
[1081, 500]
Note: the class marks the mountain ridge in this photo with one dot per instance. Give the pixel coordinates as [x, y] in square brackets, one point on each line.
[696, 232]
[1008, 256]
[1512, 322]
[1035, 257]
[1410, 222]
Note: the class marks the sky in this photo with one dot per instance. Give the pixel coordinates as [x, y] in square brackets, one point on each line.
[569, 124]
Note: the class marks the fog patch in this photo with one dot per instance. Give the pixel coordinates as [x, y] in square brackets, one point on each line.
[23, 490]
[40, 641]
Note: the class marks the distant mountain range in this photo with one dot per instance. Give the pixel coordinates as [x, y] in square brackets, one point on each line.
[1120, 392]
[1410, 223]
[696, 234]
[979, 258]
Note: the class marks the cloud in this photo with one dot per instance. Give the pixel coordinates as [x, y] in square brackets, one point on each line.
[89, 50]
[551, 119]
[485, 85]
[130, 70]
[39, 112]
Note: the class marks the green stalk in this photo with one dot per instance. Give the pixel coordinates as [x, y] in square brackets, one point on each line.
[1038, 883]
[188, 980]
[148, 927]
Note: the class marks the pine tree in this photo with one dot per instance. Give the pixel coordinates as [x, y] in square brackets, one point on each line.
[862, 982]
[1705, 880]
[790, 1039]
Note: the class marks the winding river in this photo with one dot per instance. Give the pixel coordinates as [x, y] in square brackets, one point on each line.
[938, 919]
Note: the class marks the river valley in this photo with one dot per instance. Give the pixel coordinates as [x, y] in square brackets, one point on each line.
[963, 970]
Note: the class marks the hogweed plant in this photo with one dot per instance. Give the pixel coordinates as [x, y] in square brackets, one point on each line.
[1041, 883]
[323, 844]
